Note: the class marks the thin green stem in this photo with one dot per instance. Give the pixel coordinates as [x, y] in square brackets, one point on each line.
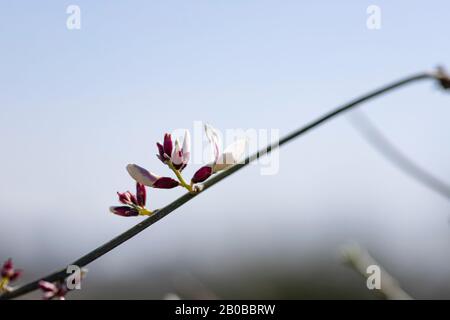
[180, 177]
[381, 143]
[3, 284]
[359, 260]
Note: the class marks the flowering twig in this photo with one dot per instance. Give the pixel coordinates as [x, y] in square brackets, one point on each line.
[8, 274]
[180, 178]
[159, 214]
[177, 158]
[58, 289]
[134, 204]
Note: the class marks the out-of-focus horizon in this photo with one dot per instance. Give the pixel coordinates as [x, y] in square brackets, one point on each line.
[78, 105]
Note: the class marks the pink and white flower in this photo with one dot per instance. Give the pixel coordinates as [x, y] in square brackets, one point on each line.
[134, 204]
[232, 155]
[8, 275]
[177, 155]
[56, 290]
[165, 149]
[149, 179]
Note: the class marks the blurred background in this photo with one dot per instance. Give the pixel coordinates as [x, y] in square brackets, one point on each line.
[76, 106]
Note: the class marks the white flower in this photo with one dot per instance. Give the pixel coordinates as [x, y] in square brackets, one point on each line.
[180, 155]
[231, 155]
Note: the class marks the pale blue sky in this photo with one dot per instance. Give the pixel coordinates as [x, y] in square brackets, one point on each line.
[77, 106]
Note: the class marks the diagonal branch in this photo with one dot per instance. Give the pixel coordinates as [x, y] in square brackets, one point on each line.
[59, 275]
[381, 143]
[359, 260]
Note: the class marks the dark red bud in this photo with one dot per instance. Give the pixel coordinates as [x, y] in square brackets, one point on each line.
[15, 275]
[7, 269]
[8, 264]
[124, 197]
[133, 199]
[165, 183]
[202, 174]
[124, 211]
[141, 194]
[168, 144]
[161, 152]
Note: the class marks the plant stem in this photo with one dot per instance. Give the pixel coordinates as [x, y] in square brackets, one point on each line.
[159, 214]
[359, 259]
[3, 284]
[382, 144]
[180, 177]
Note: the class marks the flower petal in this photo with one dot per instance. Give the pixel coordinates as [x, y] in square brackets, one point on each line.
[47, 286]
[7, 269]
[133, 199]
[177, 155]
[165, 183]
[160, 151]
[124, 211]
[142, 175]
[141, 194]
[15, 275]
[125, 197]
[202, 174]
[186, 147]
[48, 295]
[8, 264]
[168, 144]
[213, 137]
[233, 154]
